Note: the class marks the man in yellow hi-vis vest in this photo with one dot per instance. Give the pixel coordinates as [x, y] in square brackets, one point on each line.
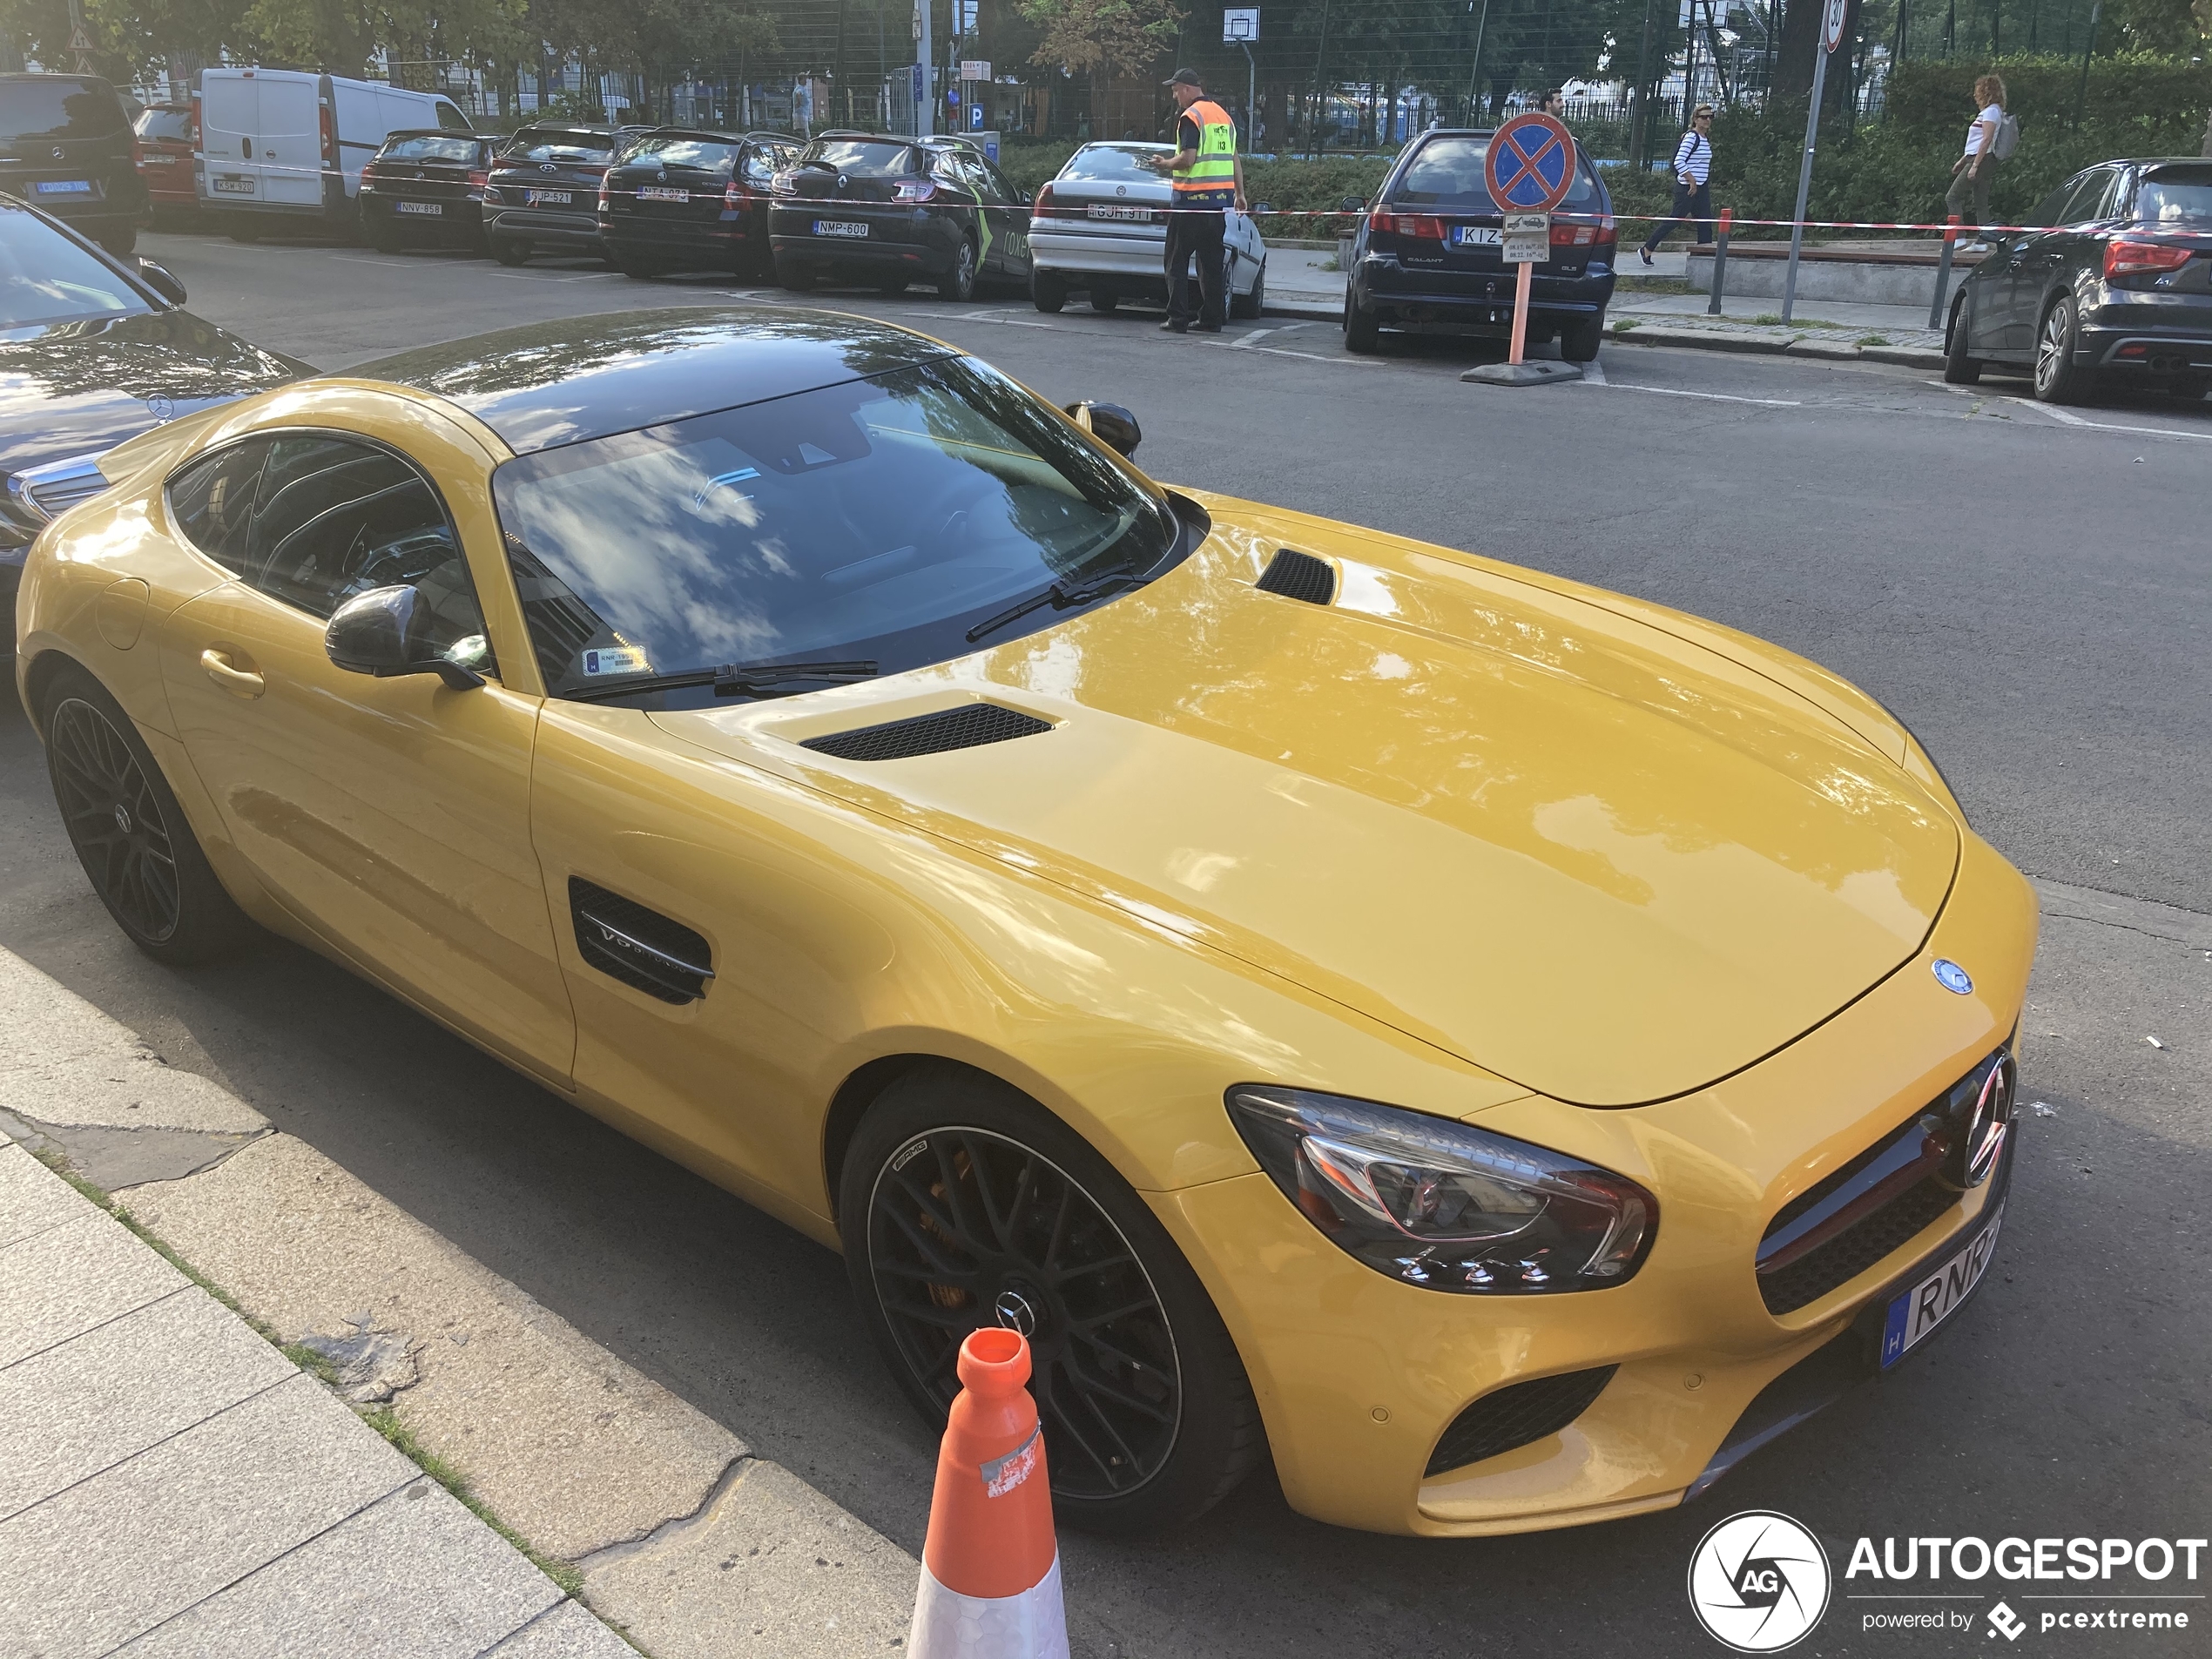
[1209, 179]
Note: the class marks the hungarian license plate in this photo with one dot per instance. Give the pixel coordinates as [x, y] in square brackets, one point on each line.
[549, 198]
[840, 227]
[158, 160]
[1914, 1315]
[1117, 211]
[1476, 236]
[232, 185]
[420, 207]
[663, 194]
[63, 187]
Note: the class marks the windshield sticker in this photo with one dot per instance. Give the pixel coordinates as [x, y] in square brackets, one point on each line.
[616, 660]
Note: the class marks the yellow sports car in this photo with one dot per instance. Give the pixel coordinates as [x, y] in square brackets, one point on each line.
[1506, 1050]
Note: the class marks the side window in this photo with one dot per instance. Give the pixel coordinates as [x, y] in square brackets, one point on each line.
[2088, 202]
[2047, 211]
[945, 171]
[1001, 190]
[450, 118]
[337, 517]
[212, 500]
[760, 165]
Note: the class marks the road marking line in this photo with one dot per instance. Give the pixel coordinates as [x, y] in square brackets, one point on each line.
[2076, 421]
[389, 264]
[1715, 397]
[1251, 338]
[2060, 416]
[1593, 372]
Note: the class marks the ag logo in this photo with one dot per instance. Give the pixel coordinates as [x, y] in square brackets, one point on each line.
[1758, 1581]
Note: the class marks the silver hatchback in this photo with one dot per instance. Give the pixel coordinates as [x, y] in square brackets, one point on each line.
[1101, 226]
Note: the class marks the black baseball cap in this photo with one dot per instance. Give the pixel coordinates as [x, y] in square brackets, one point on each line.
[1184, 77]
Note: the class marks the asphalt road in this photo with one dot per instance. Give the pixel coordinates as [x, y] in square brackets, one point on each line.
[2028, 593]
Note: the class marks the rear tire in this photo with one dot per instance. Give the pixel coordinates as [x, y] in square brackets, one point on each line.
[1104, 296]
[1579, 340]
[241, 228]
[798, 278]
[509, 251]
[1048, 290]
[1959, 369]
[2057, 378]
[2188, 388]
[636, 269]
[120, 243]
[1246, 307]
[1156, 1380]
[892, 287]
[1361, 333]
[959, 283]
[129, 832]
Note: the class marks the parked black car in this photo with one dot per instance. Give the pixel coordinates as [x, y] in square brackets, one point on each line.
[544, 191]
[93, 350]
[65, 145]
[683, 198]
[2119, 291]
[427, 186]
[885, 211]
[1428, 259]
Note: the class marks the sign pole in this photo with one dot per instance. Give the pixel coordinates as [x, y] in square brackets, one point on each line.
[1520, 314]
[1832, 33]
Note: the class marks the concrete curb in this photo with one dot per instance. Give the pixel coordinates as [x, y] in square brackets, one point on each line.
[1773, 342]
[689, 1543]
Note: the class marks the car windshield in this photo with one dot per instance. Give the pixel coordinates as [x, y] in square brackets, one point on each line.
[157, 123]
[429, 149]
[1447, 173]
[538, 144]
[2170, 196]
[45, 277]
[863, 158]
[672, 150]
[877, 519]
[1113, 163]
[59, 108]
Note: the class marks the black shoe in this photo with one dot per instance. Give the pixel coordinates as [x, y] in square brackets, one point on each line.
[1171, 326]
[1644, 253]
[1205, 328]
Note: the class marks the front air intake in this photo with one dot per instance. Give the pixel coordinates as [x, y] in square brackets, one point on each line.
[1517, 1416]
[1291, 574]
[929, 734]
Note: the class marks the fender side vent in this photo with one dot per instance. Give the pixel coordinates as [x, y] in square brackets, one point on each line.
[641, 947]
[1517, 1416]
[929, 734]
[1292, 575]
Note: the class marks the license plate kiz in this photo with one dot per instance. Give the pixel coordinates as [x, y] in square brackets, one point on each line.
[1936, 1298]
[420, 207]
[839, 227]
[1476, 236]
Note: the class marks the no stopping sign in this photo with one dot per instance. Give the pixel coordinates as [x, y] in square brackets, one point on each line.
[1530, 166]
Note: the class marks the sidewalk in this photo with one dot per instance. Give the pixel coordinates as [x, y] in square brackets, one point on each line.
[1298, 286]
[172, 1483]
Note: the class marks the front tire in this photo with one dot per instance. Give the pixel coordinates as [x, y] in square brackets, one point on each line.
[128, 831]
[1048, 290]
[959, 283]
[1959, 369]
[2057, 378]
[964, 1203]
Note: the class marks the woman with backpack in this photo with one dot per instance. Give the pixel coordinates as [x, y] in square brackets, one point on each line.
[1693, 184]
[1989, 141]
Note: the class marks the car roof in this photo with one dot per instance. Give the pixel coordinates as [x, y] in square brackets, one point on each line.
[563, 381]
[437, 133]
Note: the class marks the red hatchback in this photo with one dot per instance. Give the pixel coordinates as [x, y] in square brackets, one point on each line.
[167, 135]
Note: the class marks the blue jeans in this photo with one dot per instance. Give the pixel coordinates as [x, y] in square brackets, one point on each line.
[1690, 203]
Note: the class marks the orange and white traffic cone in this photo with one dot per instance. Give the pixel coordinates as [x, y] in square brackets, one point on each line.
[990, 1567]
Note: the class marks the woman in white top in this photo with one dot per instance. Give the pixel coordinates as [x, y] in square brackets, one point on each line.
[1973, 171]
[1693, 184]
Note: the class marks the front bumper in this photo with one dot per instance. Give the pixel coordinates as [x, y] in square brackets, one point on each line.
[1357, 1375]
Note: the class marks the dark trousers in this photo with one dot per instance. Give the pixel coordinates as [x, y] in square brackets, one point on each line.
[1197, 235]
[1690, 203]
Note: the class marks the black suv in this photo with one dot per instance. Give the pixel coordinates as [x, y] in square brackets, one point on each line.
[65, 146]
[1427, 259]
[687, 199]
[884, 210]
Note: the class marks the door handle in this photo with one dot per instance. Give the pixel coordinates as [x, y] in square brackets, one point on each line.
[239, 682]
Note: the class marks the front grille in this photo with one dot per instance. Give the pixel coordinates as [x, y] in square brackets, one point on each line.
[50, 491]
[1857, 1248]
[1292, 575]
[929, 734]
[1516, 1416]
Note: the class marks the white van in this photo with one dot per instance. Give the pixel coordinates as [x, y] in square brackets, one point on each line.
[288, 144]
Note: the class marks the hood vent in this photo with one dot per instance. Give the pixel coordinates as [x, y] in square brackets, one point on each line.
[1299, 575]
[929, 734]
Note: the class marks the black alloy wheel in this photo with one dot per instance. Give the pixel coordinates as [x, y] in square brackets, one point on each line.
[2057, 378]
[1959, 368]
[959, 283]
[964, 1205]
[130, 834]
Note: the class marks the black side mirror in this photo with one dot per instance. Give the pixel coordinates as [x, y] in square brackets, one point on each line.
[162, 281]
[379, 633]
[1109, 423]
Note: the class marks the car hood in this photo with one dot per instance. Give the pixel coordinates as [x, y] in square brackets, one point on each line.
[1535, 826]
[76, 389]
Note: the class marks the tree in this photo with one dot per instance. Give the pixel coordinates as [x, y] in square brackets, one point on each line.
[1093, 37]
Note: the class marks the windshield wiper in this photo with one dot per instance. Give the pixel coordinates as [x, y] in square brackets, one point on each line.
[735, 680]
[1061, 596]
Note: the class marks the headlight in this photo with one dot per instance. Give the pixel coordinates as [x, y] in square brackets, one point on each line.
[1444, 1206]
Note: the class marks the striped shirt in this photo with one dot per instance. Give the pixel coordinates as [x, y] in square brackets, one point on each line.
[1694, 155]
